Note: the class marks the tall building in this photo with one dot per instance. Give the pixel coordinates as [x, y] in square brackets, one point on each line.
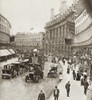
[59, 34]
[82, 44]
[83, 27]
[4, 32]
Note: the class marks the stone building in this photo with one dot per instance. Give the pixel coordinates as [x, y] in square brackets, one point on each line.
[4, 32]
[83, 28]
[29, 41]
[83, 33]
[59, 33]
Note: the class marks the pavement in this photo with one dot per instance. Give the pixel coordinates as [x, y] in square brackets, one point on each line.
[76, 91]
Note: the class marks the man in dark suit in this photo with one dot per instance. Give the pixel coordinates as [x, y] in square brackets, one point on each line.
[67, 86]
[41, 96]
[56, 93]
[85, 86]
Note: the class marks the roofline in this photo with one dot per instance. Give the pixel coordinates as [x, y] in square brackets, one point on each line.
[5, 33]
[79, 14]
[6, 20]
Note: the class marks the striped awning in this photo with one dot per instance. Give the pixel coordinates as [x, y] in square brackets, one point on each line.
[11, 51]
[4, 52]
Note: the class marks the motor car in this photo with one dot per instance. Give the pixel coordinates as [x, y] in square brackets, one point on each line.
[53, 71]
[8, 71]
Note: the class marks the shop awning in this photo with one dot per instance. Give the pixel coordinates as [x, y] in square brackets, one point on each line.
[4, 53]
[11, 51]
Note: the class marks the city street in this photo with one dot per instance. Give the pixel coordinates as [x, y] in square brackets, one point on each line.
[18, 89]
[76, 91]
[45, 45]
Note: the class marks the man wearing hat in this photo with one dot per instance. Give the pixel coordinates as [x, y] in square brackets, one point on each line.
[41, 96]
[56, 93]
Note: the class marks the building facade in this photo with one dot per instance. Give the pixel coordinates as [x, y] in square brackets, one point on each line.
[59, 34]
[82, 44]
[29, 40]
[83, 28]
[4, 31]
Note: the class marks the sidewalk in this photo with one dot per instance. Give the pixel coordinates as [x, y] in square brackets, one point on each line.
[76, 92]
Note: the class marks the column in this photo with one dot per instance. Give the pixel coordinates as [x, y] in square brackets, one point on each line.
[91, 72]
[55, 38]
[59, 31]
[64, 31]
[62, 34]
[52, 33]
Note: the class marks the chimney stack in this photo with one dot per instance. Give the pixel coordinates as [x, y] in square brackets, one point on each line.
[63, 6]
[52, 13]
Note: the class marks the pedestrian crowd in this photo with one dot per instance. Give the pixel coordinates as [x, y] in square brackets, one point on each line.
[78, 75]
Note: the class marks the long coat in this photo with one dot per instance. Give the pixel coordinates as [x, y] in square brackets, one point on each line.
[67, 86]
[86, 84]
[57, 93]
[68, 70]
[41, 96]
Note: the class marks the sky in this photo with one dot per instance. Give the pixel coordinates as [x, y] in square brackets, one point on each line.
[28, 15]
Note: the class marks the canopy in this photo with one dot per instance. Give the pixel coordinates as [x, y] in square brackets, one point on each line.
[4, 52]
[17, 62]
[11, 51]
[35, 50]
[25, 60]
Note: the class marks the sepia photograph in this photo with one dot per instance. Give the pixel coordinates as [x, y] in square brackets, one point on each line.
[45, 49]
